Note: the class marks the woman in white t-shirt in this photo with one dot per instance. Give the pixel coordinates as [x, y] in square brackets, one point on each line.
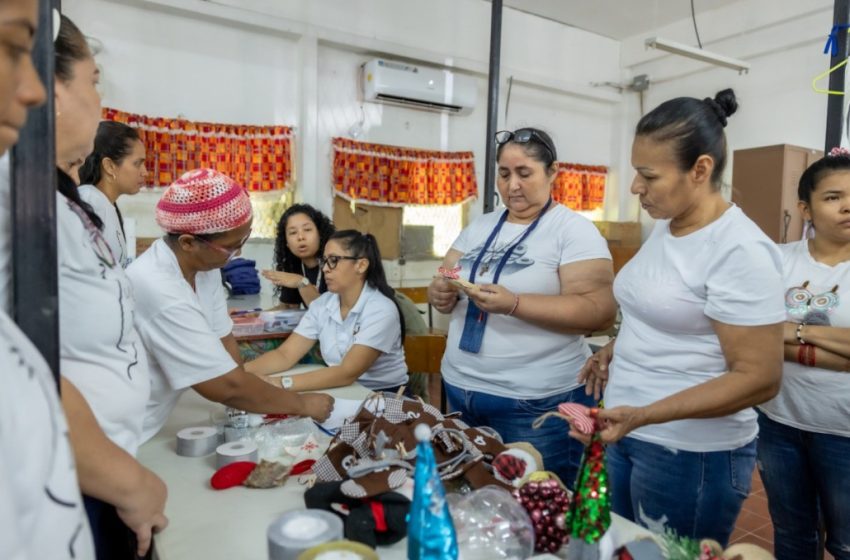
[357, 322]
[700, 341]
[41, 510]
[804, 435]
[116, 167]
[100, 351]
[543, 279]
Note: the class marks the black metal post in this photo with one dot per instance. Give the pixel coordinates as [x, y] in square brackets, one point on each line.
[492, 106]
[835, 103]
[35, 290]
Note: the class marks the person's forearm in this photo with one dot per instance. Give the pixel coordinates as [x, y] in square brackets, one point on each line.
[730, 393]
[823, 358]
[568, 314]
[309, 294]
[242, 390]
[325, 378]
[274, 361]
[105, 471]
[836, 340]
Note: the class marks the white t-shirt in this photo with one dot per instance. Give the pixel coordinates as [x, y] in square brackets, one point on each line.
[728, 271]
[112, 231]
[372, 322]
[5, 235]
[100, 350]
[181, 329]
[41, 510]
[518, 359]
[811, 398]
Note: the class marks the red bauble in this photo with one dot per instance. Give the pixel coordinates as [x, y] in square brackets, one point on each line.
[546, 502]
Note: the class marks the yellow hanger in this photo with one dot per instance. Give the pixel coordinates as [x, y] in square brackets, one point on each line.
[825, 74]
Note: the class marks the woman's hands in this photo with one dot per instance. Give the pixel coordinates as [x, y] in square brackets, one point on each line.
[442, 295]
[285, 279]
[594, 373]
[493, 298]
[616, 423]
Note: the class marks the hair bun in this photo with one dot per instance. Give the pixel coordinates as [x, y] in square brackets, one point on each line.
[724, 105]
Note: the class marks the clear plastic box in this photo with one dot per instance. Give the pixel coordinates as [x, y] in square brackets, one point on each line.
[283, 320]
[246, 326]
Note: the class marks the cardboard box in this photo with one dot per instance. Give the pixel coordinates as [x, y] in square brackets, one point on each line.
[384, 222]
[620, 234]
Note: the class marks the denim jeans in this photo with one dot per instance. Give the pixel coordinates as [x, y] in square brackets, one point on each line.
[699, 495]
[806, 476]
[512, 418]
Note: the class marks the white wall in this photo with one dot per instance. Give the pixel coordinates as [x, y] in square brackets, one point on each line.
[295, 62]
[783, 41]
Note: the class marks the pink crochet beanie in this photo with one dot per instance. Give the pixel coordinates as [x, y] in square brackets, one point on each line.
[201, 202]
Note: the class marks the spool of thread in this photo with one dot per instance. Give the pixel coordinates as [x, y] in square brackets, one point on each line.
[296, 531]
[234, 451]
[340, 550]
[198, 441]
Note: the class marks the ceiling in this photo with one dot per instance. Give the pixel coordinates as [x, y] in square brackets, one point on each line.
[617, 19]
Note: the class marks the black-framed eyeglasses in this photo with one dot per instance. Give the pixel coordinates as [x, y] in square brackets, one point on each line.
[333, 260]
[524, 136]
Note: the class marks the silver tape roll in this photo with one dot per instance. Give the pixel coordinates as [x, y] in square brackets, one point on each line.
[295, 531]
[197, 442]
[234, 451]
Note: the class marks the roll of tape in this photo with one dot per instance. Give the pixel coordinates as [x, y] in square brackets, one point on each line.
[196, 442]
[296, 531]
[234, 451]
[340, 550]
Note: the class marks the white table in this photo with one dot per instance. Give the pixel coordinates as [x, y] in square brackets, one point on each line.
[231, 524]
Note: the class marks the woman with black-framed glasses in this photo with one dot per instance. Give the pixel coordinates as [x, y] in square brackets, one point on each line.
[542, 277]
[358, 323]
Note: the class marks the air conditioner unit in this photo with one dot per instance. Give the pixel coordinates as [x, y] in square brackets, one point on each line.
[399, 83]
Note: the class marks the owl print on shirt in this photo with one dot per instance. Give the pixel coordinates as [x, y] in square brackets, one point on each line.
[812, 308]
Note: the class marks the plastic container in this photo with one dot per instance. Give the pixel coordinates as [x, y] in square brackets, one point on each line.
[283, 320]
[246, 326]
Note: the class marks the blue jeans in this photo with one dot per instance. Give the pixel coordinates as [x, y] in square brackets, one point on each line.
[806, 476]
[512, 418]
[699, 495]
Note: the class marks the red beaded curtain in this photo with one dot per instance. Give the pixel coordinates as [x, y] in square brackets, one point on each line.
[395, 176]
[258, 157]
[580, 187]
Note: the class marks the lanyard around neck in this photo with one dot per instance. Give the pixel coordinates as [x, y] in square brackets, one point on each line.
[510, 250]
[318, 277]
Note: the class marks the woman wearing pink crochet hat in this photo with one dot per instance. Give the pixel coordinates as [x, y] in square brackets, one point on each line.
[181, 308]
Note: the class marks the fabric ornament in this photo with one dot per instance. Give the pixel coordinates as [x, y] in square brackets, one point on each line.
[201, 202]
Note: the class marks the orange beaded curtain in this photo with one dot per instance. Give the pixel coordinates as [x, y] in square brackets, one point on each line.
[395, 176]
[257, 157]
[580, 187]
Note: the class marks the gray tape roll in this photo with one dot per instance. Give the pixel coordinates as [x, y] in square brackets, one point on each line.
[198, 441]
[295, 531]
[234, 451]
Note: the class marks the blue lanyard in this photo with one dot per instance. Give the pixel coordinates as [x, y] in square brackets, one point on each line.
[510, 250]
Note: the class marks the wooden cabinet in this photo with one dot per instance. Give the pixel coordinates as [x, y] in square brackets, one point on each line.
[764, 185]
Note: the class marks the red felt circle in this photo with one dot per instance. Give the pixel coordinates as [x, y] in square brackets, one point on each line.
[231, 475]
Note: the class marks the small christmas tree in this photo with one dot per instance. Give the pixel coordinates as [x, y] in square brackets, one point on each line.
[589, 516]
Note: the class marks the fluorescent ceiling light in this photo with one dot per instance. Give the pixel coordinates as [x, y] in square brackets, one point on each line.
[698, 54]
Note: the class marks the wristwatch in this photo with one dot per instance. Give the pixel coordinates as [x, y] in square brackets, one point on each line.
[286, 382]
[303, 283]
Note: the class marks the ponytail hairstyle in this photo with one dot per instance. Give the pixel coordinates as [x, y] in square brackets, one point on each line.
[69, 47]
[365, 246]
[115, 141]
[694, 127]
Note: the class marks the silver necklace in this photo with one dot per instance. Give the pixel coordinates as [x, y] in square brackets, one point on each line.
[495, 249]
[318, 278]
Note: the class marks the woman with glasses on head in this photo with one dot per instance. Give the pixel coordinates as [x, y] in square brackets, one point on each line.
[701, 338]
[302, 233]
[116, 167]
[542, 277]
[181, 310]
[357, 322]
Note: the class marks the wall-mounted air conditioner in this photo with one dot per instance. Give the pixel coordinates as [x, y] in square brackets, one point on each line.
[434, 89]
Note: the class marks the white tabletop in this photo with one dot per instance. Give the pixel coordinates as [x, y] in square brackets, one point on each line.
[231, 524]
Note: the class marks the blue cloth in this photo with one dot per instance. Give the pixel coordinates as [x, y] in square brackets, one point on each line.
[430, 531]
[698, 495]
[512, 418]
[242, 277]
[805, 475]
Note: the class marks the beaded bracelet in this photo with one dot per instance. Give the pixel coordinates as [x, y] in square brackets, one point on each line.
[800, 340]
[516, 304]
